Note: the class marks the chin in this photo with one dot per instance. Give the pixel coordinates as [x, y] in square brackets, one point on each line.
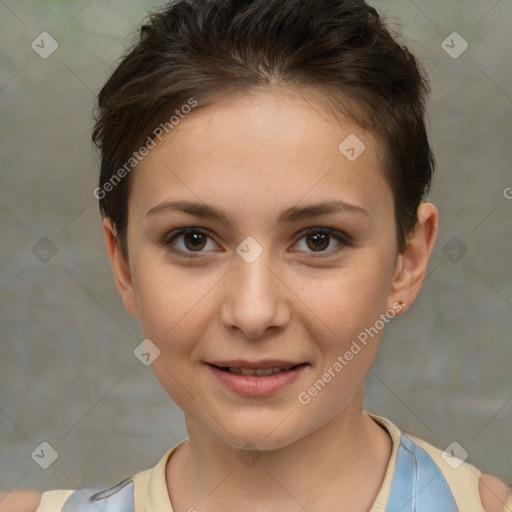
[265, 437]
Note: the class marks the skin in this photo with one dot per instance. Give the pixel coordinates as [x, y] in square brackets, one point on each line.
[252, 157]
[19, 501]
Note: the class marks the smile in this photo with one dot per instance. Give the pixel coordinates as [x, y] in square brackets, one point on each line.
[249, 381]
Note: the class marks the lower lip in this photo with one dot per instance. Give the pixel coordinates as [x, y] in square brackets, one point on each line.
[257, 385]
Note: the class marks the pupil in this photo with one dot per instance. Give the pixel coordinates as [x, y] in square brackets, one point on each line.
[320, 239]
[196, 238]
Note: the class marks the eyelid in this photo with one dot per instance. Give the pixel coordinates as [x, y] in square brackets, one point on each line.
[335, 233]
[169, 237]
[342, 237]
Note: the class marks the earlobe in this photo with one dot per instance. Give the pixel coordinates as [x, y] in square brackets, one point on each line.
[412, 264]
[120, 269]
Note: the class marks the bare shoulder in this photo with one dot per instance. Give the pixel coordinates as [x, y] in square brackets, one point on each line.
[494, 493]
[19, 501]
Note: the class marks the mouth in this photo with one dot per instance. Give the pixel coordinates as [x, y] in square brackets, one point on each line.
[256, 378]
[258, 371]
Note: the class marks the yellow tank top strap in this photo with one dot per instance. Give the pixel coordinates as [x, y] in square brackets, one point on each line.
[53, 501]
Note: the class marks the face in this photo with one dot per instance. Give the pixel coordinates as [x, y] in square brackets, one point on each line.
[270, 281]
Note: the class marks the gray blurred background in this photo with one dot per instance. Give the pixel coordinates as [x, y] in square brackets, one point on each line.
[68, 375]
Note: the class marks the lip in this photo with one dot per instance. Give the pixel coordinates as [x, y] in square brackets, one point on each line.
[256, 385]
[258, 365]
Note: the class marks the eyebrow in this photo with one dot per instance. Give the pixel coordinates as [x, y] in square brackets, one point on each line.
[289, 215]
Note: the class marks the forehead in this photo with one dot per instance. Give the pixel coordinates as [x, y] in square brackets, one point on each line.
[249, 153]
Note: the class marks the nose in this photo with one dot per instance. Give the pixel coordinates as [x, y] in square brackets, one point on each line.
[255, 298]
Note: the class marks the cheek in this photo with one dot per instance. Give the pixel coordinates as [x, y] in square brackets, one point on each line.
[171, 301]
[347, 338]
[347, 300]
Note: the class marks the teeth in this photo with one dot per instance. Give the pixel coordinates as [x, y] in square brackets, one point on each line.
[261, 372]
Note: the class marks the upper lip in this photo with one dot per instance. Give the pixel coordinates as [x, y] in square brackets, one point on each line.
[264, 363]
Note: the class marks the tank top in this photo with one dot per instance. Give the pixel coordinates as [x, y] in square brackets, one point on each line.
[419, 478]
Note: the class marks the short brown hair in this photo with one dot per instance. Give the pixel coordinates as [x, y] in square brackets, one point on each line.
[204, 48]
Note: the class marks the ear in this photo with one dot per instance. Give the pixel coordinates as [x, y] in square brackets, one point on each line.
[120, 268]
[411, 265]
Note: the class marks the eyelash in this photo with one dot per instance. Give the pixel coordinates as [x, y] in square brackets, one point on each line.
[344, 239]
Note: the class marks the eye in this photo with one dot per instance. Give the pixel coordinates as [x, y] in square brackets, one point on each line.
[194, 240]
[320, 238]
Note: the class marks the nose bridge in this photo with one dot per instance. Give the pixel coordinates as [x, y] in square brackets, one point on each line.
[254, 298]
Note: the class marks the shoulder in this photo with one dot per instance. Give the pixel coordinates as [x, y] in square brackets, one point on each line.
[20, 501]
[469, 485]
[495, 494]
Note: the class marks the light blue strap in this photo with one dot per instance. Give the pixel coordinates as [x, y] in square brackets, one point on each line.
[117, 499]
[418, 484]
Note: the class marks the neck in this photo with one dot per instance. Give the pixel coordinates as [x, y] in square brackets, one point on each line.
[343, 462]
